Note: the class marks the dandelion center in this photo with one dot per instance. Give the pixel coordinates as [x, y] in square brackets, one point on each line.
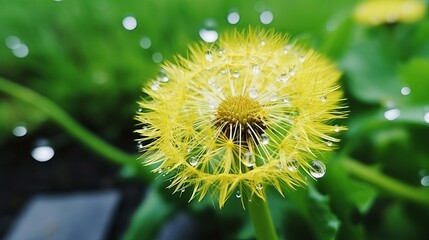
[241, 112]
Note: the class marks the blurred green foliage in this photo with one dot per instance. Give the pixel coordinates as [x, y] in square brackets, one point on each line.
[81, 57]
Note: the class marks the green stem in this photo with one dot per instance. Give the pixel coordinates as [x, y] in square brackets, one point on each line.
[390, 185]
[261, 219]
[65, 121]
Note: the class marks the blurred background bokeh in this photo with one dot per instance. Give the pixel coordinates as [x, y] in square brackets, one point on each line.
[91, 58]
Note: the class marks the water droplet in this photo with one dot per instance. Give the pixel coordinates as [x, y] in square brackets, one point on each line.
[287, 49]
[296, 136]
[162, 76]
[212, 104]
[236, 74]
[42, 152]
[259, 186]
[238, 194]
[253, 93]
[13, 42]
[193, 161]
[336, 128]
[140, 110]
[209, 56]
[221, 51]
[248, 159]
[160, 170]
[286, 100]
[292, 165]
[323, 99]
[425, 181]
[318, 169]
[274, 97]
[211, 81]
[284, 77]
[154, 86]
[301, 59]
[262, 43]
[265, 139]
[208, 33]
[21, 51]
[145, 42]
[392, 114]
[139, 145]
[233, 17]
[292, 71]
[157, 57]
[426, 117]
[266, 17]
[19, 131]
[405, 91]
[129, 23]
[329, 143]
[256, 68]
[183, 190]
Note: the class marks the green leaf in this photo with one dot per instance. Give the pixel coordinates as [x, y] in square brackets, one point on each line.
[149, 216]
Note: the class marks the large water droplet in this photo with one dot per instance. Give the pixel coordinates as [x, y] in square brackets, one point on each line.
[425, 181]
[265, 139]
[42, 152]
[318, 169]
[292, 165]
[266, 17]
[208, 34]
[19, 131]
[233, 17]
[145, 42]
[392, 114]
[209, 56]
[193, 161]
[129, 23]
[248, 159]
[405, 91]
[253, 93]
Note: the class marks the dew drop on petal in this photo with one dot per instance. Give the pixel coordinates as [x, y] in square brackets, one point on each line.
[392, 114]
[336, 128]
[329, 143]
[248, 159]
[284, 77]
[236, 74]
[256, 69]
[301, 59]
[253, 93]
[265, 139]
[193, 161]
[209, 56]
[323, 99]
[274, 97]
[292, 165]
[209, 36]
[139, 145]
[318, 169]
[287, 49]
[154, 86]
[238, 194]
[262, 43]
[259, 186]
[162, 76]
[160, 170]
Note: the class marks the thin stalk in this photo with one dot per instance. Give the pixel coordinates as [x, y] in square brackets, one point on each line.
[261, 219]
[390, 185]
[64, 120]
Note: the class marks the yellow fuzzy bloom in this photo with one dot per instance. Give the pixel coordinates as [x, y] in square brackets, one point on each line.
[250, 111]
[377, 12]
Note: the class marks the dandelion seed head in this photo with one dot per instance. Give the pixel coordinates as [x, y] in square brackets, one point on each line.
[219, 131]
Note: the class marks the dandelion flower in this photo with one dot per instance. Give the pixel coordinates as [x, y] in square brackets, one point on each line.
[377, 12]
[249, 111]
